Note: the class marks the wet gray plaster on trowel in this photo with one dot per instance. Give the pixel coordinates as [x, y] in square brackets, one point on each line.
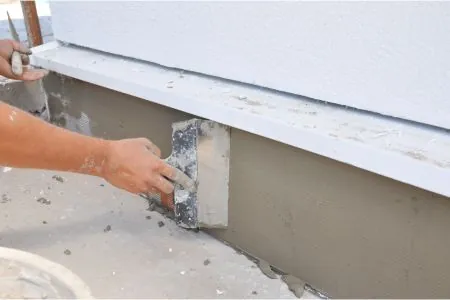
[184, 158]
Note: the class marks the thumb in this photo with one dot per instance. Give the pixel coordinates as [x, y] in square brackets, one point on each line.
[6, 70]
[20, 48]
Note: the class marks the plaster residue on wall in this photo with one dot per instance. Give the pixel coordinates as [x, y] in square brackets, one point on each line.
[76, 120]
[29, 96]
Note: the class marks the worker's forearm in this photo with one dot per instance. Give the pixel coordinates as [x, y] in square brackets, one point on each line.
[28, 142]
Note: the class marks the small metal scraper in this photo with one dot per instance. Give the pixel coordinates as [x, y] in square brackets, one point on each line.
[16, 59]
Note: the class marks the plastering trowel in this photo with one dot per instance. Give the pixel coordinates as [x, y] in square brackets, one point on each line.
[201, 150]
[35, 97]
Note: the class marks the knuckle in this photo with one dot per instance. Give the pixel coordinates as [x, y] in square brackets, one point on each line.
[170, 172]
[161, 165]
[158, 165]
[157, 151]
[152, 182]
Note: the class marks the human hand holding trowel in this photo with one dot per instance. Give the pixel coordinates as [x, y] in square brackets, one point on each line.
[14, 58]
[14, 61]
[135, 165]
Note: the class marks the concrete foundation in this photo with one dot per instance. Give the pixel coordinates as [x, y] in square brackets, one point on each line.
[345, 231]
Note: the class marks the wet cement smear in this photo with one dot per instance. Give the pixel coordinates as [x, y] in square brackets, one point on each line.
[266, 269]
[295, 285]
[184, 158]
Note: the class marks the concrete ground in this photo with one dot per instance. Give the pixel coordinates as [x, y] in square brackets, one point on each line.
[121, 250]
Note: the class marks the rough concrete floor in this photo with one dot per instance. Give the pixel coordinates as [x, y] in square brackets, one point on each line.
[116, 246]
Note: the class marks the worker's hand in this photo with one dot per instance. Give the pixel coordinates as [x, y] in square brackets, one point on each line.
[135, 165]
[7, 47]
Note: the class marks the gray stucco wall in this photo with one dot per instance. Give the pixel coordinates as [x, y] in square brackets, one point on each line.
[386, 57]
[348, 232]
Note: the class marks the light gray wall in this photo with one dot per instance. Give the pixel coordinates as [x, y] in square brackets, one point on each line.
[390, 58]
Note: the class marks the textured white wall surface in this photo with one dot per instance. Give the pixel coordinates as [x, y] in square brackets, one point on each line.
[389, 58]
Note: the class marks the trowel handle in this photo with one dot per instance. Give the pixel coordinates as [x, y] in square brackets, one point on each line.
[16, 64]
[165, 200]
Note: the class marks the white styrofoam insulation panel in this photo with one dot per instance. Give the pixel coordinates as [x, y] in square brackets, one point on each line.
[390, 58]
[411, 153]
